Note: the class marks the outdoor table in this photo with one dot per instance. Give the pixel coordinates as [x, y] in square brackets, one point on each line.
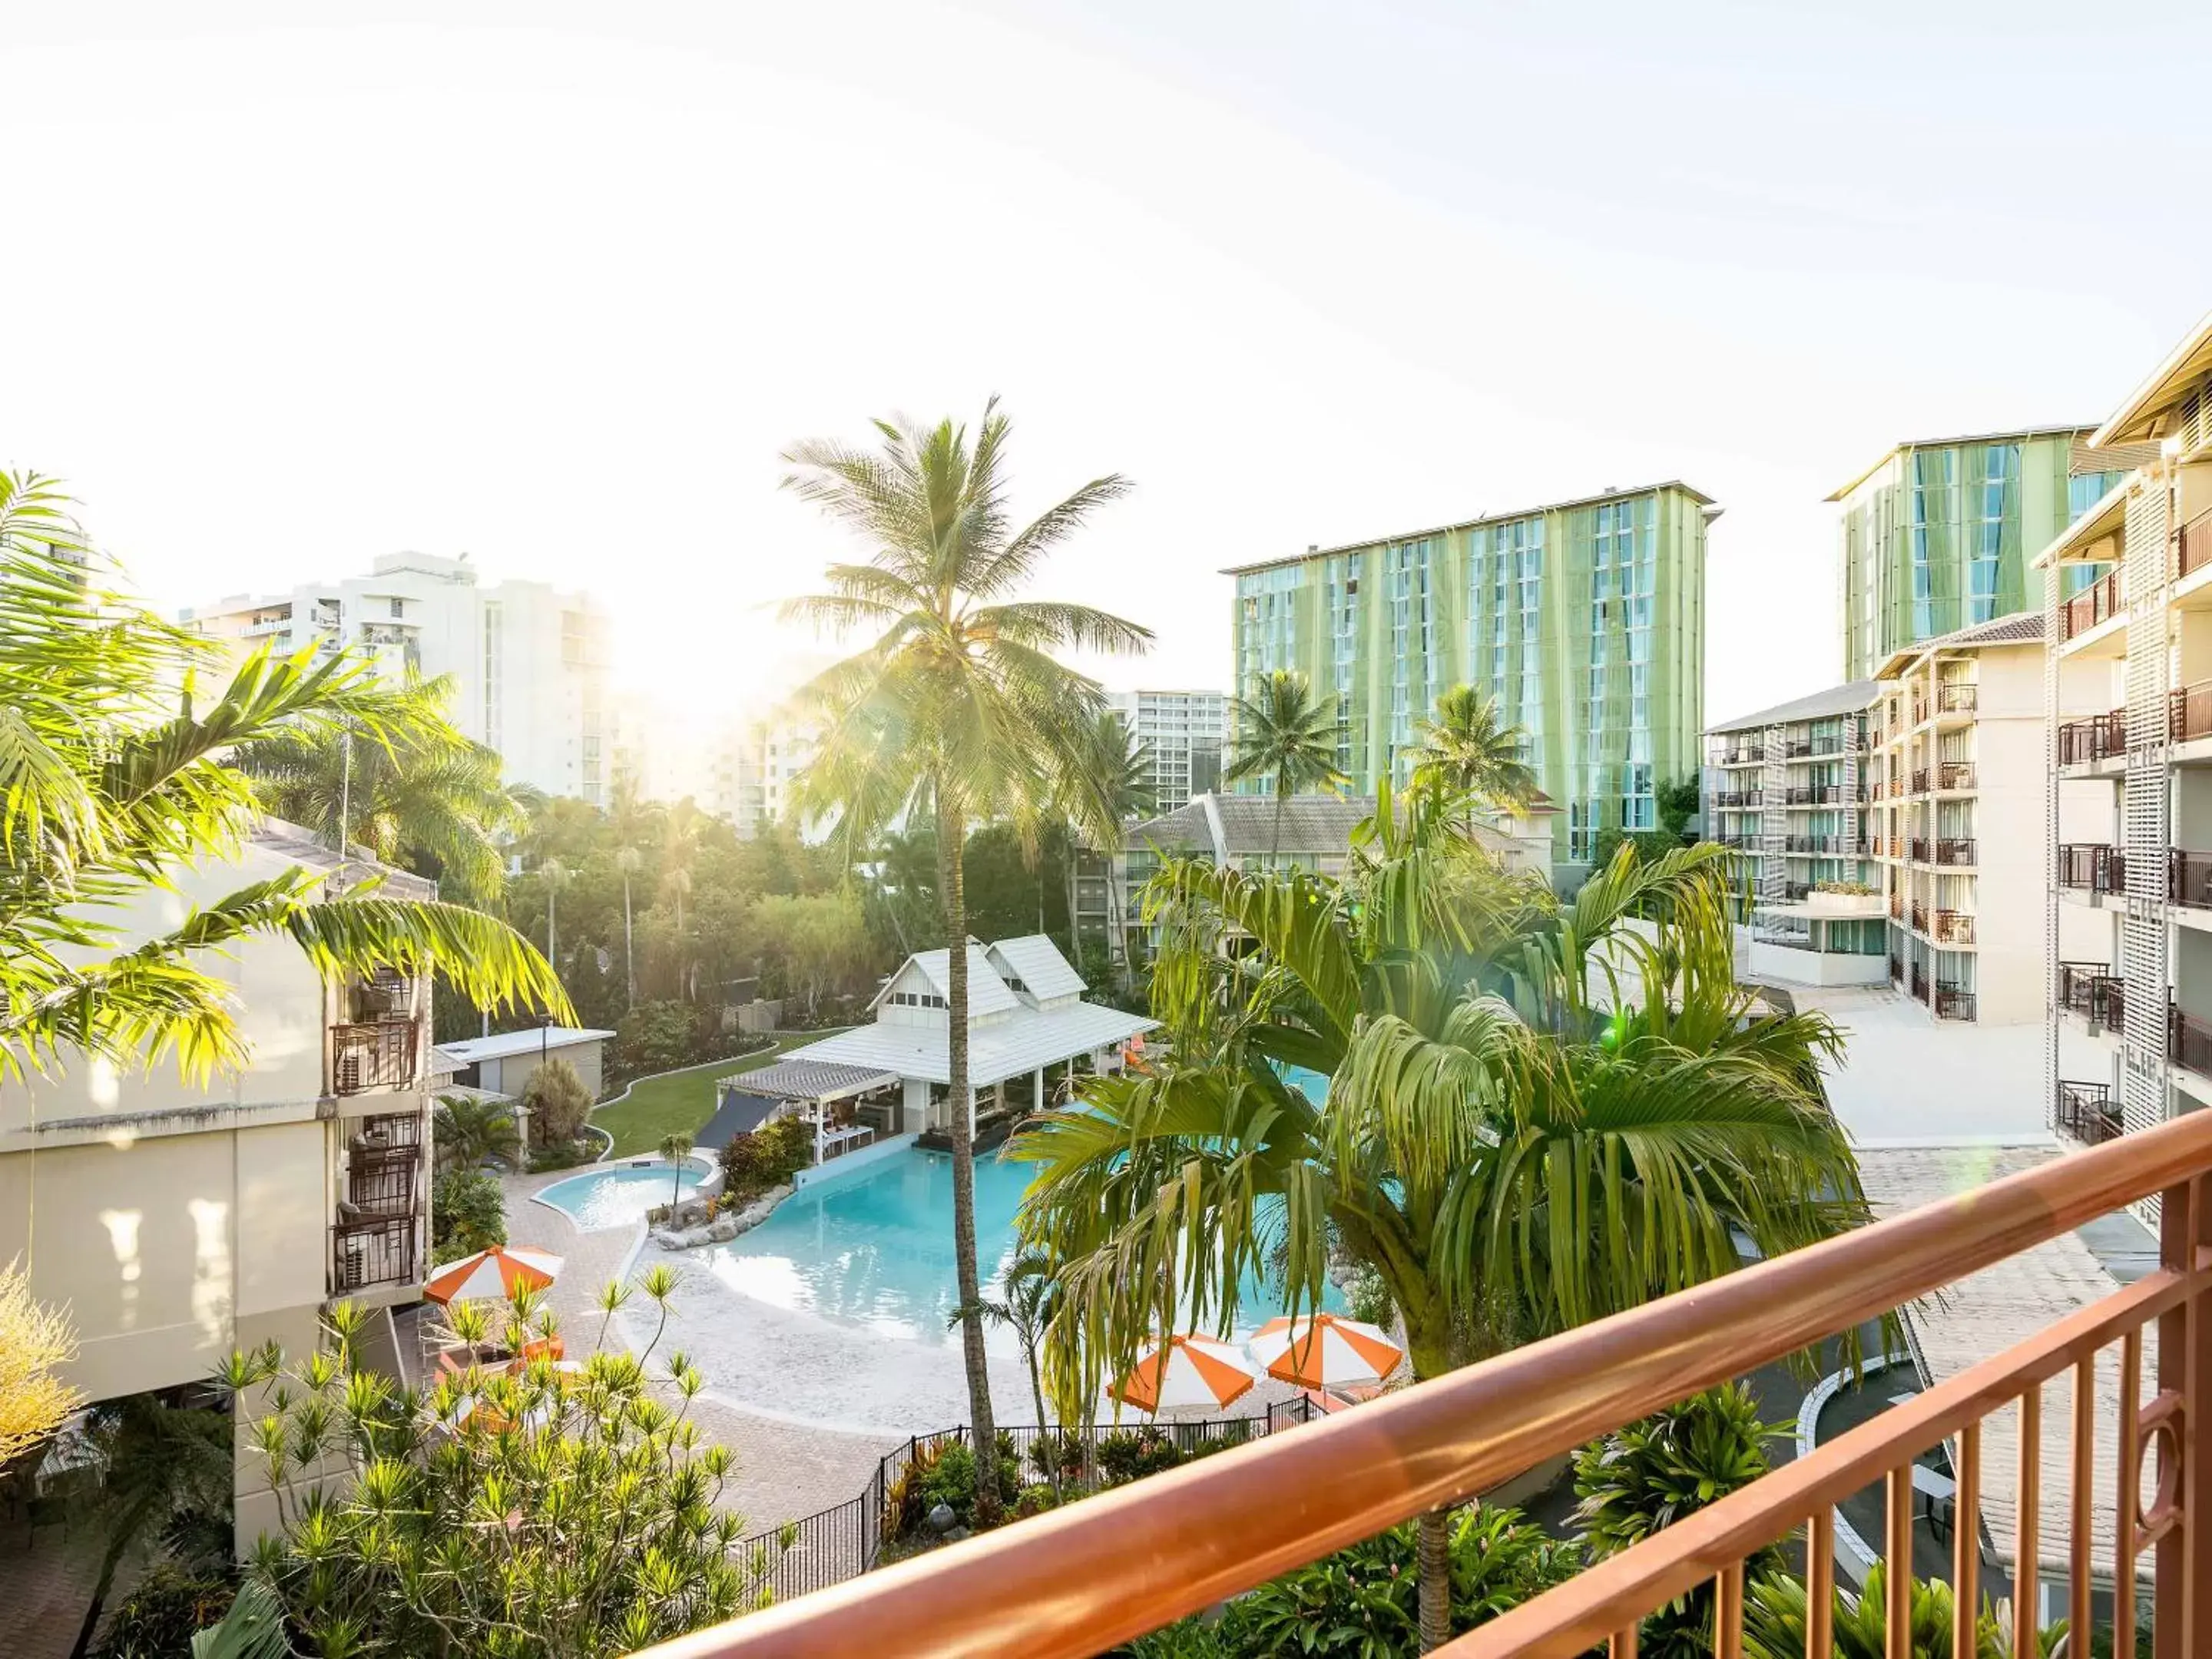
[1934, 1491]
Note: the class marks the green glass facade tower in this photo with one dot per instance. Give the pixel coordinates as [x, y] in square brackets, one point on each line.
[1940, 535]
[1585, 621]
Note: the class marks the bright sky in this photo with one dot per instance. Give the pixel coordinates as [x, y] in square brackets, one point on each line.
[553, 283]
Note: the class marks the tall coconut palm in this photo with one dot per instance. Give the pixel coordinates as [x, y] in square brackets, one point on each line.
[425, 795]
[1534, 1117]
[957, 710]
[115, 769]
[1469, 751]
[1284, 733]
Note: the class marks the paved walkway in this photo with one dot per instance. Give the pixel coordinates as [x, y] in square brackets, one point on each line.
[1906, 1082]
[785, 1471]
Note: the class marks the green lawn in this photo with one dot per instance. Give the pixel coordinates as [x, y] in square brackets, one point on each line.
[680, 1101]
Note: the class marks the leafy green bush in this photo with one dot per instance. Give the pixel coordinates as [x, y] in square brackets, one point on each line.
[657, 1037]
[158, 1620]
[566, 1156]
[558, 1102]
[769, 1157]
[1130, 1454]
[466, 1215]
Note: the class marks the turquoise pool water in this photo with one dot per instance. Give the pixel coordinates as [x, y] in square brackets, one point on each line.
[619, 1196]
[875, 1247]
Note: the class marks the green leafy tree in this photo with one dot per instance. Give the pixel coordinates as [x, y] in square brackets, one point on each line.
[114, 770]
[1536, 1116]
[467, 1130]
[958, 712]
[557, 1101]
[549, 1512]
[817, 942]
[161, 1467]
[467, 1214]
[1284, 733]
[1467, 750]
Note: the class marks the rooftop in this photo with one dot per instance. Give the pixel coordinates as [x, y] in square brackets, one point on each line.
[2021, 628]
[1900, 448]
[1237, 826]
[529, 1040]
[1603, 495]
[296, 844]
[1836, 700]
[2144, 413]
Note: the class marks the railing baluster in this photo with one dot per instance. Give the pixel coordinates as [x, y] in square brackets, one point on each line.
[1820, 1585]
[1622, 1644]
[1966, 1543]
[1728, 1613]
[1898, 1564]
[2085, 1478]
[2027, 1554]
[2130, 1491]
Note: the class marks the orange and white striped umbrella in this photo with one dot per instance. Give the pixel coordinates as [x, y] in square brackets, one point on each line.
[493, 1275]
[1186, 1370]
[1322, 1351]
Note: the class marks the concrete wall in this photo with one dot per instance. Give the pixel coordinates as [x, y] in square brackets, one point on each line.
[2014, 860]
[1779, 962]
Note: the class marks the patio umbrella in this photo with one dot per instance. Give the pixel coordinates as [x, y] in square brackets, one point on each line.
[1186, 1370]
[492, 1274]
[1322, 1351]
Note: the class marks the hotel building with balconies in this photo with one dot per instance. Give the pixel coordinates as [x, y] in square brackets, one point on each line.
[2130, 1041]
[177, 1220]
[1785, 790]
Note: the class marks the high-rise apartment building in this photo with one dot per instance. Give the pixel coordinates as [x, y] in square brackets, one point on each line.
[2128, 696]
[528, 661]
[1940, 534]
[1182, 733]
[1585, 621]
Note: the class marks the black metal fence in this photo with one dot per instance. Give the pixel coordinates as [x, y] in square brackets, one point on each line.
[842, 1542]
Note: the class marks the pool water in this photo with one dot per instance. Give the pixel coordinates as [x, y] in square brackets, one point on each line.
[620, 1196]
[875, 1249]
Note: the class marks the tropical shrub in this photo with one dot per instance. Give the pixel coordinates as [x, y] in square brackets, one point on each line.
[159, 1619]
[769, 1157]
[468, 1130]
[657, 1037]
[466, 1215]
[541, 1513]
[1132, 1453]
[35, 1342]
[558, 1103]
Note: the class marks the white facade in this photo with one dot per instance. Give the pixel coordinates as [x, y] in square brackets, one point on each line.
[747, 772]
[528, 661]
[1185, 730]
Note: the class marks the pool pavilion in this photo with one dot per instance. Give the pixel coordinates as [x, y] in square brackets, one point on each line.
[873, 1090]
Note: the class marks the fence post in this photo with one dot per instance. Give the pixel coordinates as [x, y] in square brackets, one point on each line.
[2183, 1598]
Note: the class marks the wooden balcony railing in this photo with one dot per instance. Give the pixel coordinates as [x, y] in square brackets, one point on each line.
[1955, 774]
[378, 1053]
[1955, 849]
[2189, 712]
[1075, 1581]
[2193, 545]
[2099, 602]
[1957, 697]
[1919, 917]
[1897, 907]
[1954, 927]
[2100, 737]
[1920, 780]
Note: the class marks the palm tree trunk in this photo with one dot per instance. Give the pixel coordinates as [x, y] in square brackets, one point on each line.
[1432, 1564]
[630, 946]
[1282, 801]
[950, 835]
[1036, 1396]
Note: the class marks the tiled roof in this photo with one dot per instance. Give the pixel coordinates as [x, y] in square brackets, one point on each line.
[1036, 961]
[1836, 700]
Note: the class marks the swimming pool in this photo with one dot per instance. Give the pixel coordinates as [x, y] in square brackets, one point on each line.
[618, 1196]
[875, 1249]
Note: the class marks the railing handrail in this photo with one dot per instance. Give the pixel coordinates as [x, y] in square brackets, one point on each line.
[1069, 1582]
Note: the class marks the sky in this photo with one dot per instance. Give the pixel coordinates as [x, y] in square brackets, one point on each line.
[555, 284]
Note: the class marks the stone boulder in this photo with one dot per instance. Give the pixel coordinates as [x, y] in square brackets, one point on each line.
[723, 1229]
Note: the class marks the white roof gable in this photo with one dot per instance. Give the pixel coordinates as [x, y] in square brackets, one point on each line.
[1036, 961]
[986, 992]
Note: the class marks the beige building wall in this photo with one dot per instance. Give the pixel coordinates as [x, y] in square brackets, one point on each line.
[511, 1075]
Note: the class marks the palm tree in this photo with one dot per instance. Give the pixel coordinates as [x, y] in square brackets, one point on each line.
[1534, 1117]
[427, 795]
[470, 1129]
[1124, 769]
[1469, 751]
[676, 1148]
[1030, 1300]
[159, 1465]
[957, 710]
[115, 768]
[1282, 732]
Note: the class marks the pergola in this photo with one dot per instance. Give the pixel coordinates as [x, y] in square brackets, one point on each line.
[813, 1084]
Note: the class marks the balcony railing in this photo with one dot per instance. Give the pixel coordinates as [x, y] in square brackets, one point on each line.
[1797, 749]
[2093, 869]
[1957, 697]
[1919, 983]
[1954, 927]
[1919, 779]
[1919, 917]
[1797, 795]
[1896, 967]
[2087, 1111]
[2193, 545]
[1068, 1583]
[2099, 602]
[2188, 1042]
[1896, 786]
[2189, 878]
[2074, 982]
[1919, 847]
[1796, 891]
[1955, 774]
[1919, 712]
[1897, 907]
[2100, 737]
[2189, 712]
[375, 1250]
[1955, 849]
[1897, 847]
[1953, 1003]
[1726, 799]
[379, 1053]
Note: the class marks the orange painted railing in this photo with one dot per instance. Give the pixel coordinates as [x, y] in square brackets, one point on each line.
[1075, 1581]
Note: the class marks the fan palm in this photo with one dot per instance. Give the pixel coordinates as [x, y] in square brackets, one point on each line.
[957, 710]
[1284, 733]
[114, 771]
[423, 794]
[1470, 752]
[1534, 1117]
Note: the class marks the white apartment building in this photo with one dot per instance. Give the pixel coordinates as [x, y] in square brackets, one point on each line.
[176, 1221]
[2129, 706]
[1184, 732]
[529, 661]
[1785, 789]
